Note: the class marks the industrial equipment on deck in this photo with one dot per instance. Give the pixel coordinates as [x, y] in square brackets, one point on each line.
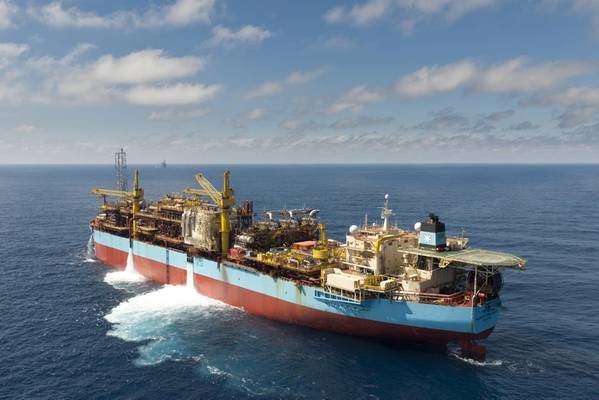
[133, 206]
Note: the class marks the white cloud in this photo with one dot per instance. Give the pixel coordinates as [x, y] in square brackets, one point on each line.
[301, 77]
[384, 147]
[369, 11]
[176, 94]
[177, 13]
[248, 34]
[10, 91]
[24, 128]
[7, 11]
[266, 89]
[575, 96]
[149, 73]
[52, 66]
[443, 120]
[450, 9]
[298, 126]
[291, 124]
[77, 88]
[335, 15]
[270, 88]
[362, 121]
[54, 14]
[99, 80]
[512, 76]
[77, 52]
[517, 76]
[11, 51]
[435, 79]
[185, 12]
[256, 114]
[574, 116]
[143, 66]
[576, 105]
[414, 12]
[355, 99]
[176, 114]
[409, 12]
[362, 14]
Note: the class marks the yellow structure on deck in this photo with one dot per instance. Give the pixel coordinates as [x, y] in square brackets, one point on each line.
[321, 250]
[224, 199]
[136, 196]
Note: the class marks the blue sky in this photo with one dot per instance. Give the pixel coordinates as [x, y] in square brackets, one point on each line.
[222, 81]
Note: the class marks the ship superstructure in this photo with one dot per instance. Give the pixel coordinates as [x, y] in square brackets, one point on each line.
[382, 282]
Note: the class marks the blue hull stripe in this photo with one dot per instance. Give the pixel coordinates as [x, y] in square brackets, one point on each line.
[429, 316]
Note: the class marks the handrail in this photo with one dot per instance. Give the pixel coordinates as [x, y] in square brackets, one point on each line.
[434, 295]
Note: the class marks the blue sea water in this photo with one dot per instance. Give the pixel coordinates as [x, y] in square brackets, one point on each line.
[69, 331]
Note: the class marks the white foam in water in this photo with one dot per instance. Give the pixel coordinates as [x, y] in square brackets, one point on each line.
[129, 275]
[471, 361]
[153, 315]
[117, 277]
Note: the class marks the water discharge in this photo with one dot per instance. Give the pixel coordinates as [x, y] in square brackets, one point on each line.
[160, 318]
[130, 267]
[90, 252]
[189, 282]
[129, 275]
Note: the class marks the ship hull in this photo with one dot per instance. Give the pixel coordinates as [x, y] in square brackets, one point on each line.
[282, 300]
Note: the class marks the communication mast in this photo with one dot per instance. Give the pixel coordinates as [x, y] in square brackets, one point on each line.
[120, 169]
[386, 213]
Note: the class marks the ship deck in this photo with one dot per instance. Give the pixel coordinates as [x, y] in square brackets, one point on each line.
[476, 257]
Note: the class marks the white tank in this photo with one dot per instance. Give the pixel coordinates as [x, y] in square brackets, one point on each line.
[353, 228]
[417, 226]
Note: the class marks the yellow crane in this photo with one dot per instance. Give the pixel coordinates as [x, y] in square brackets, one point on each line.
[225, 199]
[321, 249]
[136, 196]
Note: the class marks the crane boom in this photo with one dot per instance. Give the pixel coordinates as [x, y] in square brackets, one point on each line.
[209, 188]
[112, 193]
[225, 200]
[196, 192]
[136, 196]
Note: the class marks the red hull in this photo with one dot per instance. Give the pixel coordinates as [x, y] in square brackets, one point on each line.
[111, 256]
[276, 309]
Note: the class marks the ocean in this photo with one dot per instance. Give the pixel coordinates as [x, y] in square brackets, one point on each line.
[72, 329]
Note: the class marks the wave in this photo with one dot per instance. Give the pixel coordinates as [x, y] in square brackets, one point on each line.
[156, 317]
[116, 278]
[494, 363]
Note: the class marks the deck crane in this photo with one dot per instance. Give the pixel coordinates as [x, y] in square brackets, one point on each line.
[224, 199]
[136, 196]
[321, 249]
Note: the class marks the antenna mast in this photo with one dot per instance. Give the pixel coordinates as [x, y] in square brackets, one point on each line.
[386, 213]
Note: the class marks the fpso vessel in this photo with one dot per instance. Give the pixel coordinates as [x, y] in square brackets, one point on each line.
[384, 282]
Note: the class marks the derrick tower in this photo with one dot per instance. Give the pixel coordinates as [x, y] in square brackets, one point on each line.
[120, 169]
